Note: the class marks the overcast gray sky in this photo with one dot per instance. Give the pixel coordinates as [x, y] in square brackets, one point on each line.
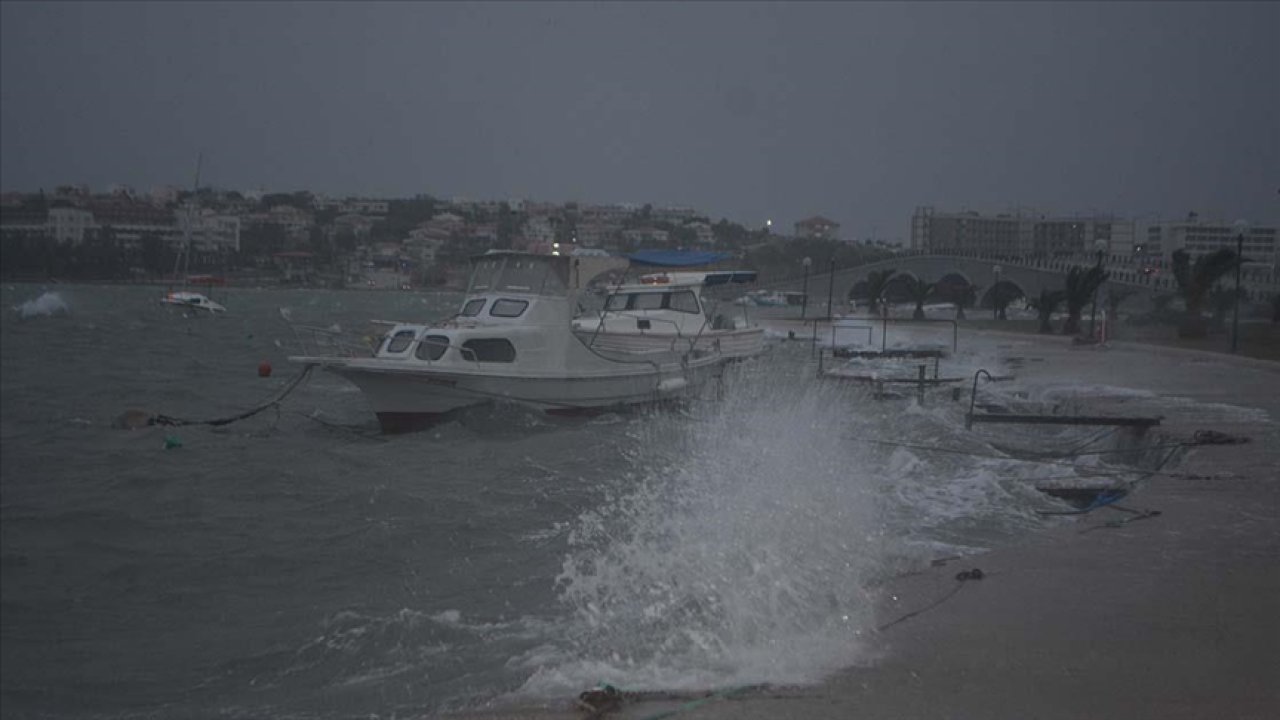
[856, 111]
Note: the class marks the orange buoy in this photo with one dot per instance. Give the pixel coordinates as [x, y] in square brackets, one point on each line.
[264, 369]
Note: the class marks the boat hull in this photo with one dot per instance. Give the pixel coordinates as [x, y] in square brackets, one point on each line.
[407, 399]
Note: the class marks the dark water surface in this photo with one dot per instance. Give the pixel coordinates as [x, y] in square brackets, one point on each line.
[300, 565]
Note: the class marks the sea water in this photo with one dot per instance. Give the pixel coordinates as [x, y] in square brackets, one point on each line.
[300, 564]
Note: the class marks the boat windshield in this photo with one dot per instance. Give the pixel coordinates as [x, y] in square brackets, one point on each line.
[519, 274]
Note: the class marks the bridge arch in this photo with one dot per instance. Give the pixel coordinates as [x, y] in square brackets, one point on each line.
[1005, 289]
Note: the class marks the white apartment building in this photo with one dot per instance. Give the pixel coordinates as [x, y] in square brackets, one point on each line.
[1200, 237]
[70, 225]
[1019, 234]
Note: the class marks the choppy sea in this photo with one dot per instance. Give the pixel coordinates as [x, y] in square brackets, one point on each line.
[299, 564]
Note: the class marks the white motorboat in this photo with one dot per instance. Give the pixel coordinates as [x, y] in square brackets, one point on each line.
[765, 298]
[192, 300]
[669, 310]
[512, 341]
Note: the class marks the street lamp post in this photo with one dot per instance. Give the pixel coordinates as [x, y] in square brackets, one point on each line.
[804, 299]
[995, 293]
[831, 286]
[1242, 227]
[1099, 247]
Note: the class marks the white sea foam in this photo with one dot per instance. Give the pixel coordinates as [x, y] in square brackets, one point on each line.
[740, 554]
[48, 304]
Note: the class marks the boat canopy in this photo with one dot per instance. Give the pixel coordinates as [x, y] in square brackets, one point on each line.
[677, 258]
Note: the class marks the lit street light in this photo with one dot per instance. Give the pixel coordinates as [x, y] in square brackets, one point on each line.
[1242, 228]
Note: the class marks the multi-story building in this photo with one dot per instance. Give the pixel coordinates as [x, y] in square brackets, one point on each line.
[1200, 237]
[705, 236]
[70, 225]
[1019, 234]
[817, 227]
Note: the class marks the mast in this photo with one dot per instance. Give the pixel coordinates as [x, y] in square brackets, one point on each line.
[183, 260]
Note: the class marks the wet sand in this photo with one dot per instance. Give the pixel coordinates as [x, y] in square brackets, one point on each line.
[1111, 615]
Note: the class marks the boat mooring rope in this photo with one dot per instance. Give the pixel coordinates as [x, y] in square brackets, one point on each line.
[170, 421]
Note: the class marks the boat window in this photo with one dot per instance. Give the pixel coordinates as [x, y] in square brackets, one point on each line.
[684, 301]
[508, 308]
[432, 347]
[647, 301]
[484, 274]
[472, 307]
[489, 350]
[531, 275]
[400, 341]
[617, 302]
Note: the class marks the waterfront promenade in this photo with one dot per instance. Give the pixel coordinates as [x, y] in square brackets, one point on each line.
[1170, 616]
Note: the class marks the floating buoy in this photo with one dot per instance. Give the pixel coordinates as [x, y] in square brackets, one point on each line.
[172, 441]
[264, 369]
[132, 420]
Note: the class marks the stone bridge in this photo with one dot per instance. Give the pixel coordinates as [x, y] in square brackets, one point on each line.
[1017, 277]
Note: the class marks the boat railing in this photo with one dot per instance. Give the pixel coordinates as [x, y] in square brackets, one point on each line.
[315, 340]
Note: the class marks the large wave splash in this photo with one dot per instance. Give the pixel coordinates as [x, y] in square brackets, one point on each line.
[48, 304]
[739, 550]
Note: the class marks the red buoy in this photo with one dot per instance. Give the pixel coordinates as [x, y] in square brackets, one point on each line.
[264, 369]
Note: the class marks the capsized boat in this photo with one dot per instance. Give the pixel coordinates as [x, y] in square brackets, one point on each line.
[670, 310]
[512, 340]
[192, 300]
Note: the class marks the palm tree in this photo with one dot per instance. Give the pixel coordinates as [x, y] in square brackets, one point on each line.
[877, 281]
[919, 291]
[1046, 305]
[1079, 291]
[1195, 281]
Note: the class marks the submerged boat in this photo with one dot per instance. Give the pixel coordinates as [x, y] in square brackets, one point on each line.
[668, 310]
[512, 340]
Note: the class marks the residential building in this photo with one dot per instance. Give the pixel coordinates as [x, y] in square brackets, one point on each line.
[817, 227]
[216, 232]
[1201, 236]
[673, 215]
[359, 226]
[646, 237]
[1019, 234]
[70, 225]
[705, 236]
[539, 228]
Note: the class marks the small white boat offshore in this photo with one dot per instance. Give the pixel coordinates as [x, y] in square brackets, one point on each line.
[766, 298]
[192, 301]
[669, 310]
[512, 341]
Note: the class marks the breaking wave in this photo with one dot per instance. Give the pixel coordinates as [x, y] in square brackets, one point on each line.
[48, 304]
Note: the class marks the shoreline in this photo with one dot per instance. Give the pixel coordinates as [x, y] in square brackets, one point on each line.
[1172, 616]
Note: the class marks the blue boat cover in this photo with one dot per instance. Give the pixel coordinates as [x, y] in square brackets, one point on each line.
[676, 258]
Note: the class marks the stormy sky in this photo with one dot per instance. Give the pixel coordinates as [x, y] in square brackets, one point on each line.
[857, 111]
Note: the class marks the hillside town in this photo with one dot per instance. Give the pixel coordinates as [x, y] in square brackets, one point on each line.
[309, 239]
